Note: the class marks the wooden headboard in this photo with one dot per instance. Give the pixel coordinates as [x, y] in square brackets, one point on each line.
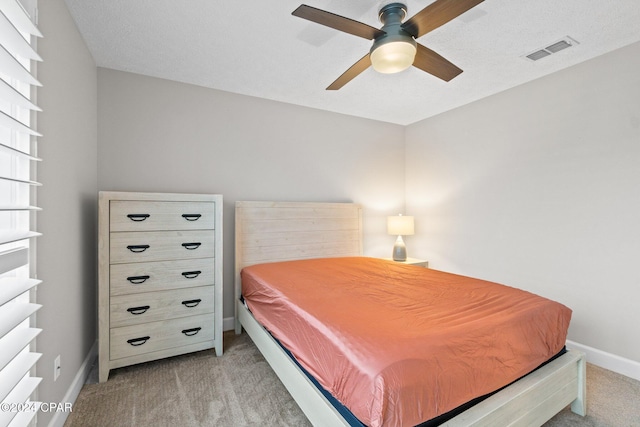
[280, 231]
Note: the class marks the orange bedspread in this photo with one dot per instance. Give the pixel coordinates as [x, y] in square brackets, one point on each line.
[397, 344]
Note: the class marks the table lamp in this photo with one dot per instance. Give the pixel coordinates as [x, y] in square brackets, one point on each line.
[400, 226]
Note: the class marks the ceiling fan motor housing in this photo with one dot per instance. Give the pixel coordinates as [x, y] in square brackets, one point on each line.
[391, 16]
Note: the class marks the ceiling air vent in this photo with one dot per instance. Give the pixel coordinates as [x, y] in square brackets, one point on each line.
[552, 48]
[538, 54]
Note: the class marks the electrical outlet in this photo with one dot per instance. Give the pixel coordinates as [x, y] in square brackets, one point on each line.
[56, 368]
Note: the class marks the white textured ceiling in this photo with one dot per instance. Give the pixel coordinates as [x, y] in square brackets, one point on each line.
[258, 48]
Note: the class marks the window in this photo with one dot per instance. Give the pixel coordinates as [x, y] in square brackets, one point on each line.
[18, 157]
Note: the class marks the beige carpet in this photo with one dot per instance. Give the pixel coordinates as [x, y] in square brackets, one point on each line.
[240, 389]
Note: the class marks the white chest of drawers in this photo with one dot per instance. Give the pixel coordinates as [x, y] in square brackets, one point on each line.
[160, 276]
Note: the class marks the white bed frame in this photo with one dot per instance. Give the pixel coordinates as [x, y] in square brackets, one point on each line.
[278, 231]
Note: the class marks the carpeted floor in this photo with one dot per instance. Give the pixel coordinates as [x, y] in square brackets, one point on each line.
[240, 389]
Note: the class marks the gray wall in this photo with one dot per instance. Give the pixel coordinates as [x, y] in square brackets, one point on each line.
[67, 251]
[539, 187]
[164, 136]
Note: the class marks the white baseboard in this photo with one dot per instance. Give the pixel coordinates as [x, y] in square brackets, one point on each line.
[228, 323]
[71, 395]
[627, 367]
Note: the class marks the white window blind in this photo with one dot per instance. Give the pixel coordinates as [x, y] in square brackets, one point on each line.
[18, 157]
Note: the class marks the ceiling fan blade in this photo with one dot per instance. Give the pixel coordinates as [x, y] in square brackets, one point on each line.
[351, 73]
[431, 62]
[436, 14]
[337, 22]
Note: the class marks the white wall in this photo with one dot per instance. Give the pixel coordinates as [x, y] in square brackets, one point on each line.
[164, 136]
[66, 254]
[539, 187]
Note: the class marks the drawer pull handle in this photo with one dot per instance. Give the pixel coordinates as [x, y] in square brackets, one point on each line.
[191, 332]
[136, 280]
[138, 217]
[138, 310]
[191, 274]
[191, 217]
[191, 246]
[191, 303]
[138, 341]
[138, 248]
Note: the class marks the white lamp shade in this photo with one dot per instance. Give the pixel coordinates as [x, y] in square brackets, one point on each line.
[393, 57]
[400, 225]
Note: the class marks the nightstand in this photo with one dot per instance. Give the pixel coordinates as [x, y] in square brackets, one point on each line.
[413, 261]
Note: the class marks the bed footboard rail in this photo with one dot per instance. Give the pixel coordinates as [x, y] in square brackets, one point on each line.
[534, 399]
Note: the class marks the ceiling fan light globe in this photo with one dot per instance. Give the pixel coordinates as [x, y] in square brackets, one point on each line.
[393, 57]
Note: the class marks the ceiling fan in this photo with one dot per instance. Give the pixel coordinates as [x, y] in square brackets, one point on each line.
[394, 46]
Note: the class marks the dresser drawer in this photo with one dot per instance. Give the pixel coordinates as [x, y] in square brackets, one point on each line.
[134, 309]
[149, 337]
[160, 275]
[160, 245]
[151, 216]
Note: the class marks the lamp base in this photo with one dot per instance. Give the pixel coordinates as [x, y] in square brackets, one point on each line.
[399, 250]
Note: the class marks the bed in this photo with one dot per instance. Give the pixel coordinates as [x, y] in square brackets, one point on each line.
[268, 233]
